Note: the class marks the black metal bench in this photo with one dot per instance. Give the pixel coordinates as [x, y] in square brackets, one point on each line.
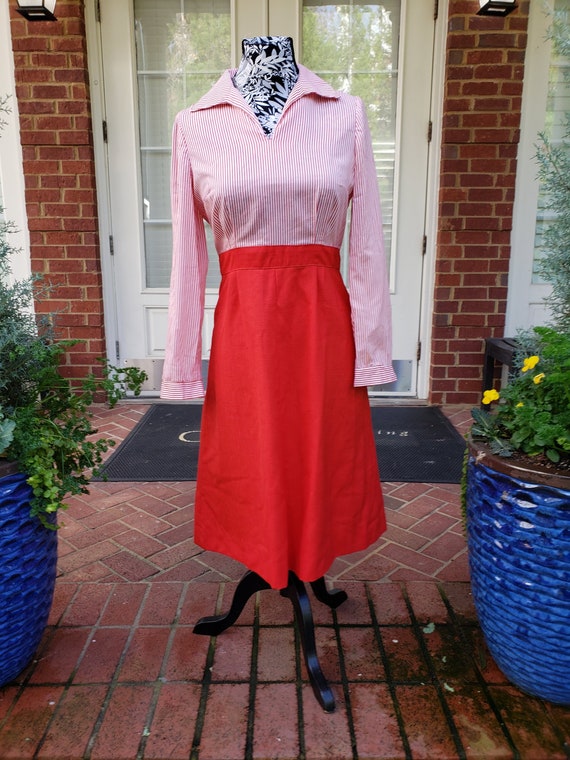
[500, 350]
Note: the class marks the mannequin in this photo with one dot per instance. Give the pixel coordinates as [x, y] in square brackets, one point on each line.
[265, 77]
[271, 158]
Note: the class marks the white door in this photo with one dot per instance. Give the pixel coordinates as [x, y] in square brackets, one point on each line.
[149, 59]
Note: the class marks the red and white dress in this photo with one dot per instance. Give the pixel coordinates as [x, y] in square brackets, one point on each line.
[287, 471]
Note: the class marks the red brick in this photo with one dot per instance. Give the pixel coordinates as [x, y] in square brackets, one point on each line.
[406, 661]
[424, 723]
[404, 556]
[28, 720]
[119, 739]
[63, 593]
[134, 540]
[102, 656]
[521, 716]
[123, 605]
[187, 656]
[274, 609]
[225, 722]
[276, 654]
[362, 659]
[461, 599]
[276, 722]
[101, 550]
[426, 602]
[58, 659]
[87, 605]
[375, 723]
[356, 609]
[232, 658]
[326, 734]
[79, 710]
[129, 566]
[144, 656]
[172, 728]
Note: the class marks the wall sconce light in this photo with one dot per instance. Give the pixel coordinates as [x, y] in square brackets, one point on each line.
[496, 7]
[37, 10]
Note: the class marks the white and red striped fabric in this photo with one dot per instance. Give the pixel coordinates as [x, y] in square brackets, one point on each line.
[291, 188]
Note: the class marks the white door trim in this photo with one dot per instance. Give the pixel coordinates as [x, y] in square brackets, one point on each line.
[432, 199]
[525, 306]
[98, 116]
[11, 161]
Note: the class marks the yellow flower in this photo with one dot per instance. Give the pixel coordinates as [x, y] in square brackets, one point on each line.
[520, 404]
[530, 363]
[489, 396]
[538, 378]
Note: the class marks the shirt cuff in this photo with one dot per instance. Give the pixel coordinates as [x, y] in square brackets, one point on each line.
[378, 374]
[184, 390]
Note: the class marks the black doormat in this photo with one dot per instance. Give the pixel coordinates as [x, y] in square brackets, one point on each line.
[414, 444]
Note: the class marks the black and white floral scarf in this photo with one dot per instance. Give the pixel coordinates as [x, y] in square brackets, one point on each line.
[265, 77]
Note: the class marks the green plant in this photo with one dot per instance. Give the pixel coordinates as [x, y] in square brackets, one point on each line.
[45, 419]
[532, 414]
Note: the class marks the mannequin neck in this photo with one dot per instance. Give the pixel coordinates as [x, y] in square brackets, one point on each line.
[267, 59]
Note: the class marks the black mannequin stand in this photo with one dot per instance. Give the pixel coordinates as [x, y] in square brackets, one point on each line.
[297, 593]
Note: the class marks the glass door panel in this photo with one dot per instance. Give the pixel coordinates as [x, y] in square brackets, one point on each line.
[182, 46]
[355, 47]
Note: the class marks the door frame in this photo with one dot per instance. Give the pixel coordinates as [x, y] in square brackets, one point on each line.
[98, 118]
[11, 160]
[288, 19]
[441, 8]
[525, 299]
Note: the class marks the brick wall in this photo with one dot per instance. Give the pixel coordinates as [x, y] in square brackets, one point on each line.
[482, 108]
[55, 122]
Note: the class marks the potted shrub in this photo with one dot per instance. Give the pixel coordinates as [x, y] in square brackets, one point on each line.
[517, 481]
[48, 447]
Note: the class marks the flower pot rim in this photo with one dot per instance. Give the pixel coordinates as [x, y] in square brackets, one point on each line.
[516, 468]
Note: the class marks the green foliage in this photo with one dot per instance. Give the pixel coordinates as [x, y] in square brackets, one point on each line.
[45, 422]
[533, 411]
[53, 438]
[554, 266]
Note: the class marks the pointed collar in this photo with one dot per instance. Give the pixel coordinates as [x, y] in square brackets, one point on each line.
[224, 90]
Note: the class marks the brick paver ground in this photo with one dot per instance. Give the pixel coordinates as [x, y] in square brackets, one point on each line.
[121, 675]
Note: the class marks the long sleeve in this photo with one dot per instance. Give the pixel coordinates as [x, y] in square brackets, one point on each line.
[181, 378]
[368, 276]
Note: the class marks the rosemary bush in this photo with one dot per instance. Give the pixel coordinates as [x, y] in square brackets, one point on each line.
[45, 422]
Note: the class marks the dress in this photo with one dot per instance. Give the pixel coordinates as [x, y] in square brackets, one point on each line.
[287, 474]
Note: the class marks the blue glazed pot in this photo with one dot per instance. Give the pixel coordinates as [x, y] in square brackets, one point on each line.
[518, 533]
[28, 562]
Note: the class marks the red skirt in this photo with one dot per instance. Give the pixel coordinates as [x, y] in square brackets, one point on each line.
[287, 473]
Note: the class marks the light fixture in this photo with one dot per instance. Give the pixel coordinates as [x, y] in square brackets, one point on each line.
[496, 7]
[37, 10]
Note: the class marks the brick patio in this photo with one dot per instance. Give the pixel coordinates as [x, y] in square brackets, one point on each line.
[120, 674]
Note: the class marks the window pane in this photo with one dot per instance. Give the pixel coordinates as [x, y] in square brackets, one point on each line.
[354, 46]
[556, 127]
[182, 47]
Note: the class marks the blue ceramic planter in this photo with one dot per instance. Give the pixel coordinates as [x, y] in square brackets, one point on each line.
[28, 560]
[518, 531]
